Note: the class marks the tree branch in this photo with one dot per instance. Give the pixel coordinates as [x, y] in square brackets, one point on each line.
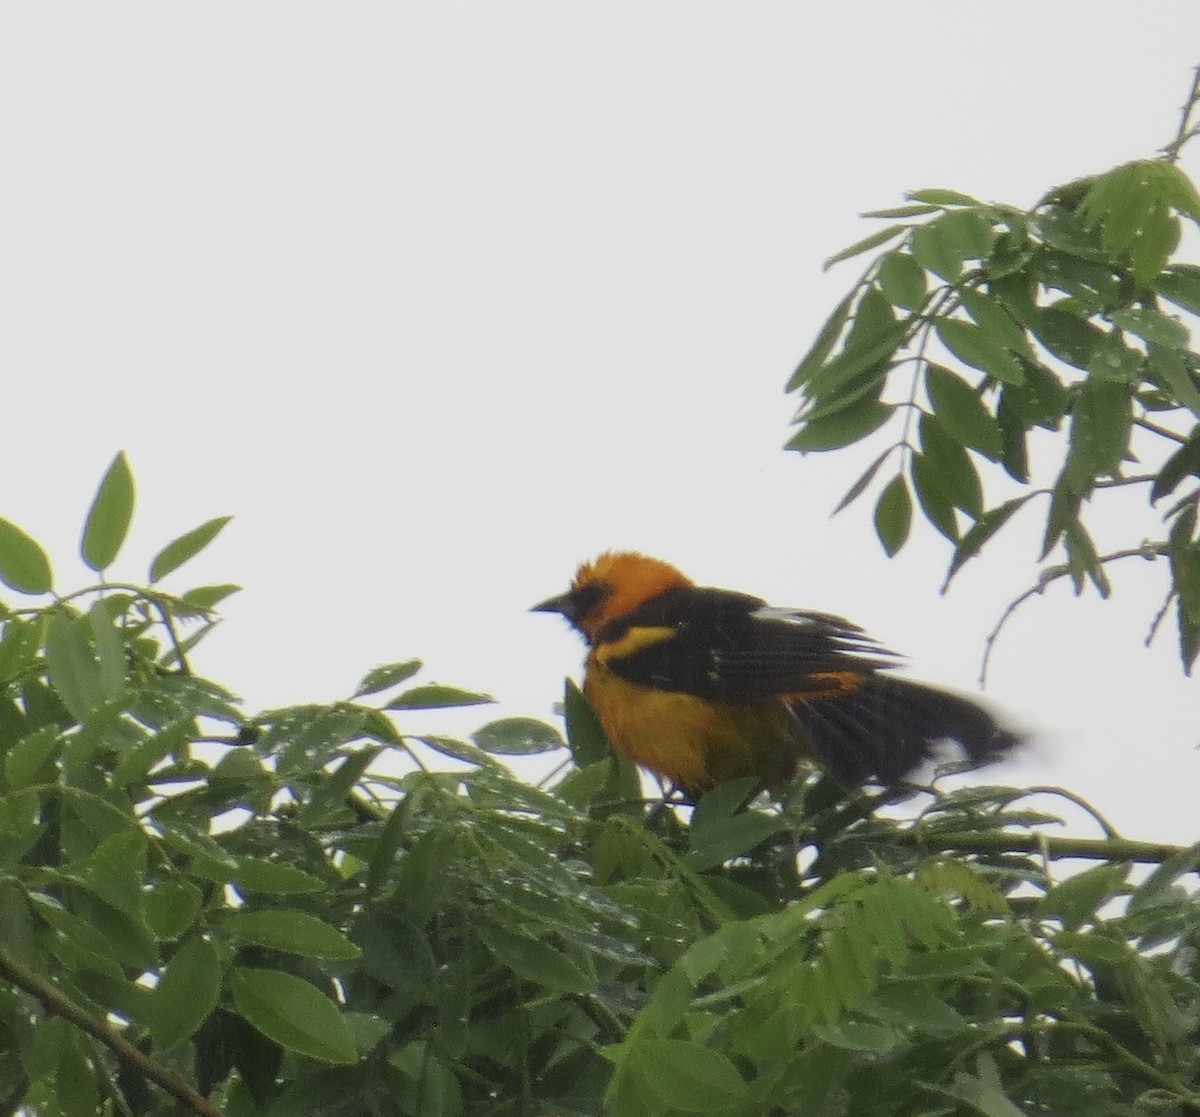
[1186, 129]
[57, 1003]
[1148, 551]
[998, 841]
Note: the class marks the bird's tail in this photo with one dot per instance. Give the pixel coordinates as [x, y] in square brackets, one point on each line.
[889, 727]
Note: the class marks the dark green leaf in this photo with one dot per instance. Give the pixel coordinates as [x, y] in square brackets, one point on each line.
[294, 932]
[1181, 284]
[537, 961]
[843, 428]
[726, 838]
[934, 502]
[1167, 366]
[108, 518]
[893, 514]
[1157, 239]
[585, 737]
[1014, 449]
[252, 874]
[993, 316]
[978, 534]
[186, 993]
[1068, 336]
[518, 736]
[295, 1015]
[388, 675]
[1183, 463]
[951, 466]
[433, 696]
[978, 349]
[961, 411]
[187, 546]
[823, 346]
[1101, 421]
[968, 232]
[880, 236]
[171, 907]
[902, 280]
[917, 210]
[856, 490]
[935, 252]
[24, 566]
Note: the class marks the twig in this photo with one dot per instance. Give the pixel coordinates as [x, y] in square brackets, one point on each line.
[1186, 129]
[984, 841]
[1148, 551]
[57, 1003]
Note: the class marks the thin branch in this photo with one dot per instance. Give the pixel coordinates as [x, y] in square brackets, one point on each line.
[1186, 129]
[57, 1003]
[998, 841]
[1148, 551]
[1163, 432]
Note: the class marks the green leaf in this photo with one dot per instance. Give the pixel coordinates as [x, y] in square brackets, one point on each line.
[992, 314]
[388, 675]
[31, 759]
[1077, 899]
[934, 251]
[187, 546]
[937, 196]
[978, 534]
[1101, 422]
[585, 737]
[537, 961]
[686, 1076]
[951, 466]
[24, 566]
[856, 490]
[902, 280]
[1167, 366]
[19, 645]
[823, 345]
[434, 696]
[518, 736]
[1071, 338]
[293, 932]
[917, 210]
[937, 507]
[186, 993]
[274, 878]
[1181, 284]
[1183, 463]
[109, 517]
[893, 514]
[72, 664]
[972, 345]
[295, 1015]
[110, 650]
[842, 428]
[726, 838]
[880, 236]
[171, 907]
[961, 411]
[1151, 326]
[206, 598]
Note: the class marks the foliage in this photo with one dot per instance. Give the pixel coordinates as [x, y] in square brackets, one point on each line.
[292, 912]
[981, 325]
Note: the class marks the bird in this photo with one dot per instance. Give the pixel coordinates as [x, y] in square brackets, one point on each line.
[702, 686]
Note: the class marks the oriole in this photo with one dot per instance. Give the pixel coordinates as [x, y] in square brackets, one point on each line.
[702, 685]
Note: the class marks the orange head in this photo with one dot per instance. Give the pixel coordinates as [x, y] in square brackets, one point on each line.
[610, 586]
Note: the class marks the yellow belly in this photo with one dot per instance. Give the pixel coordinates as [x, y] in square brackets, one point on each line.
[688, 741]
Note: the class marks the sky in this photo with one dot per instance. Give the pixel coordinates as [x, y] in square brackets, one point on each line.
[438, 300]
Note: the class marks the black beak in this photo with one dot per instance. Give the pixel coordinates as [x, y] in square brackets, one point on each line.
[564, 603]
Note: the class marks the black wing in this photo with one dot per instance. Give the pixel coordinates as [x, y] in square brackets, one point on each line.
[732, 647]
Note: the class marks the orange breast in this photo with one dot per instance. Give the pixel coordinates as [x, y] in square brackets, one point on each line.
[686, 740]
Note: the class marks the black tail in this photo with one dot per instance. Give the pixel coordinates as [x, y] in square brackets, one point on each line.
[891, 727]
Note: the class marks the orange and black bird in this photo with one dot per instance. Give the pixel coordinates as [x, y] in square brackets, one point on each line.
[702, 685]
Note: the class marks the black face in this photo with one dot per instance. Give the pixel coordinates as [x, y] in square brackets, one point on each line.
[576, 604]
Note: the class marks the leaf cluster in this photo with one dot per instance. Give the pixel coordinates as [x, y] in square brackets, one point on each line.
[980, 325]
[311, 910]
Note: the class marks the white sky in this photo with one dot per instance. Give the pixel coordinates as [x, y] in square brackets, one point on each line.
[439, 299]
